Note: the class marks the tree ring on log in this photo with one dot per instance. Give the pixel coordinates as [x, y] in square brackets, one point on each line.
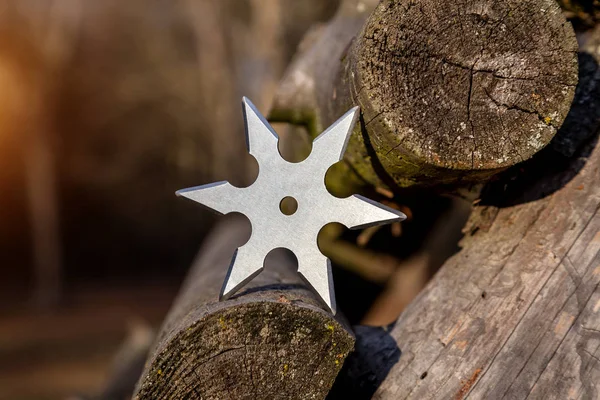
[267, 349]
[457, 91]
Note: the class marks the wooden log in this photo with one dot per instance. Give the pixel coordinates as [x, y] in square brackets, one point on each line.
[516, 313]
[450, 93]
[272, 341]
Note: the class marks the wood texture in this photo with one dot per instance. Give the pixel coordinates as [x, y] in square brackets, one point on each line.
[449, 93]
[271, 341]
[516, 313]
[457, 92]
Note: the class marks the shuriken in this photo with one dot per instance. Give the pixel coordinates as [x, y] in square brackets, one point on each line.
[305, 182]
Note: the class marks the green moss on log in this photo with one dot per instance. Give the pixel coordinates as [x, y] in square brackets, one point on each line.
[256, 350]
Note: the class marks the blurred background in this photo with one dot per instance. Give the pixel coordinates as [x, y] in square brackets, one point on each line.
[106, 108]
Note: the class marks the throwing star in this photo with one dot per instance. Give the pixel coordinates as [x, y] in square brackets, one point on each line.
[305, 182]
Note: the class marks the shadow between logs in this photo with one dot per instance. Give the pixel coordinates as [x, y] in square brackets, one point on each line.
[283, 287]
[554, 166]
[375, 353]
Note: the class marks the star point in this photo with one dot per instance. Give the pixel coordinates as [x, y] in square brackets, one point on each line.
[305, 182]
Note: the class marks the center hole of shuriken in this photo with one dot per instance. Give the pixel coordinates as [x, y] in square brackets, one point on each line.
[288, 205]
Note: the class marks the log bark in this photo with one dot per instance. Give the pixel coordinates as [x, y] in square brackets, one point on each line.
[515, 314]
[272, 341]
[449, 93]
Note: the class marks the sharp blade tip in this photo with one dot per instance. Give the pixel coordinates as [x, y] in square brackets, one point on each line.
[182, 192]
[401, 216]
[351, 113]
[332, 308]
[223, 295]
[395, 216]
[247, 102]
[227, 290]
[330, 303]
[186, 192]
[398, 215]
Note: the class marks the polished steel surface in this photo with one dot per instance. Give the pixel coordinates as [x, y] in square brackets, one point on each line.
[303, 181]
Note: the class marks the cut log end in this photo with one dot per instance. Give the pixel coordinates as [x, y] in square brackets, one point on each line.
[458, 91]
[273, 340]
[259, 350]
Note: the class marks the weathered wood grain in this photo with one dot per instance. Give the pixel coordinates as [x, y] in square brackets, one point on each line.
[450, 93]
[573, 371]
[272, 341]
[458, 91]
[491, 319]
[527, 352]
[514, 314]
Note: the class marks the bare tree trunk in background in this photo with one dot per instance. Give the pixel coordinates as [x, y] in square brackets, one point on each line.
[44, 214]
[258, 49]
[217, 88]
[41, 43]
[57, 41]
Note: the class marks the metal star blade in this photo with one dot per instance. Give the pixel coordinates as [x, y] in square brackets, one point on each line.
[305, 182]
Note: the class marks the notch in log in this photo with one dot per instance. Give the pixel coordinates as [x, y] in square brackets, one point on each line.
[271, 341]
[450, 93]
